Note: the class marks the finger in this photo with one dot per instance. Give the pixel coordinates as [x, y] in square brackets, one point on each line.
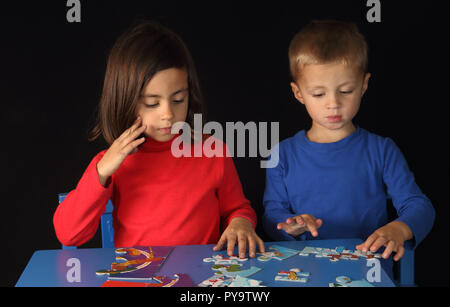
[220, 244]
[400, 253]
[299, 220]
[242, 245]
[133, 145]
[251, 246]
[311, 225]
[262, 248]
[231, 242]
[282, 226]
[136, 124]
[290, 220]
[133, 135]
[133, 127]
[319, 223]
[366, 245]
[379, 242]
[390, 247]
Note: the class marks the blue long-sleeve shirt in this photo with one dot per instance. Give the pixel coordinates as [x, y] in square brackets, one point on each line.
[345, 184]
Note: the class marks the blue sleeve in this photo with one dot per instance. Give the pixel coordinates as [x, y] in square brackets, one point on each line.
[413, 207]
[276, 203]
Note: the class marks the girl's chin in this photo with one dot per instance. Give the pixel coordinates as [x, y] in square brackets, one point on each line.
[163, 138]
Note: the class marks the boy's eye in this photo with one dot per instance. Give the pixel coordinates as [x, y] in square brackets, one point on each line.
[346, 92]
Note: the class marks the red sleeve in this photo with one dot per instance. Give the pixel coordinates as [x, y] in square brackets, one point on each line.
[231, 197]
[76, 219]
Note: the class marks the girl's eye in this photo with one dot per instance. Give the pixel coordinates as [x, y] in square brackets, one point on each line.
[178, 101]
[151, 105]
[318, 95]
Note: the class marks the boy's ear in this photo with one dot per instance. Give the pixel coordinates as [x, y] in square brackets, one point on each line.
[365, 83]
[296, 91]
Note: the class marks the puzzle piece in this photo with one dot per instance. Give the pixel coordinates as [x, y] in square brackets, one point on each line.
[216, 281]
[336, 254]
[139, 262]
[219, 259]
[368, 254]
[278, 252]
[234, 270]
[293, 275]
[344, 281]
[240, 281]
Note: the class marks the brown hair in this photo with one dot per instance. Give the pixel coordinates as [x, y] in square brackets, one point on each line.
[327, 41]
[137, 55]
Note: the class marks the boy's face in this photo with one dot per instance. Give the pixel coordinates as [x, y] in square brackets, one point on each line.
[164, 102]
[331, 94]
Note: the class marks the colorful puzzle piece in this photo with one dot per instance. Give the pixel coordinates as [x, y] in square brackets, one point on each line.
[216, 281]
[336, 254]
[240, 281]
[293, 275]
[140, 262]
[278, 252]
[219, 259]
[234, 270]
[344, 281]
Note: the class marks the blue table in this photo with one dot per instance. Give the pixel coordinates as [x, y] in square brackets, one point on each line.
[48, 268]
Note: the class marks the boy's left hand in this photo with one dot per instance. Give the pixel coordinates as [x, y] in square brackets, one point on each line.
[392, 236]
[240, 230]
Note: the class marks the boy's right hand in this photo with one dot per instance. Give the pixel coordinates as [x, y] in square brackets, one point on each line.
[124, 145]
[298, 224]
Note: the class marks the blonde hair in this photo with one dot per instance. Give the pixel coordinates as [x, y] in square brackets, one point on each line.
[327, 41]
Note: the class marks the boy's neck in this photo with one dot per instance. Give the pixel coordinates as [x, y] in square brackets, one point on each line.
[319, 134]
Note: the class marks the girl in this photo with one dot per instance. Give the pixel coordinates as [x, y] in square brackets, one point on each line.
[150, 84]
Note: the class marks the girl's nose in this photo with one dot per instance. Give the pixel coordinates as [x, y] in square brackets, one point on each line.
[166, 111]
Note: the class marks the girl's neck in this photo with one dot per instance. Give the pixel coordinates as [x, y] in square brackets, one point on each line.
[319, 134]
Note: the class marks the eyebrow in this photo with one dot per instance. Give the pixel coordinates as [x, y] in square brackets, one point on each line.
[158, 96]
[322, 87]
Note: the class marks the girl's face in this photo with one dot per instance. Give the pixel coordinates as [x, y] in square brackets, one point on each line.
[164, 102]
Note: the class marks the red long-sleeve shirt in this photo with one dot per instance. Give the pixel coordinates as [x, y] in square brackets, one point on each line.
[158, 200]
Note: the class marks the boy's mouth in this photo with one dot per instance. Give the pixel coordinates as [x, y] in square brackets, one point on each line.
[334, 118]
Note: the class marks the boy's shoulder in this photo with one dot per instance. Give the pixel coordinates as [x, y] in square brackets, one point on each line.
[293, 140]
[372, 139]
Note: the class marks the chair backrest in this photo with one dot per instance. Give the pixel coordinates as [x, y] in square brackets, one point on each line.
[106, 225]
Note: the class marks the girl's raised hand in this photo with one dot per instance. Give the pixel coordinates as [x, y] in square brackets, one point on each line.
[126, 144]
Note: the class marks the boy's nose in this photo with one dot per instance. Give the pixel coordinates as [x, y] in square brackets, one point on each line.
[333, 103]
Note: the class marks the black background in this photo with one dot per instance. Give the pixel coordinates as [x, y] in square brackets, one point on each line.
[52, 76]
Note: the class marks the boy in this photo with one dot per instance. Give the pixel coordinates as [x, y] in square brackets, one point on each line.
[333, 180]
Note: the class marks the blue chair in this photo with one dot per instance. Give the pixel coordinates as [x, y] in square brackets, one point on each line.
[106, 225]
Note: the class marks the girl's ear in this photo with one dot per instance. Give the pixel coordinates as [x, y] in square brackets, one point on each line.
[297, 93]
[366, 83]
